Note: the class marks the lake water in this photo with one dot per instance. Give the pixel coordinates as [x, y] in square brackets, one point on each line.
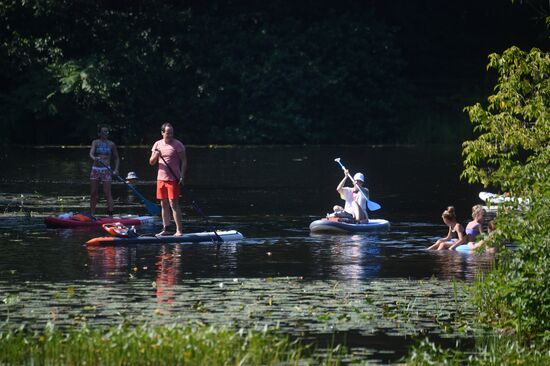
[378, 291]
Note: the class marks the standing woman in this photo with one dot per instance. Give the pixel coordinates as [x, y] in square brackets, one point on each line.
[455, 236]
[170, 155]
[101, 152]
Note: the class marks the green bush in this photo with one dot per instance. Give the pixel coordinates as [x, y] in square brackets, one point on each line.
[512, 154]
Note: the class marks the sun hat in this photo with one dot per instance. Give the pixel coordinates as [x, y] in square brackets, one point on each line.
[359, 176]
[132, 175]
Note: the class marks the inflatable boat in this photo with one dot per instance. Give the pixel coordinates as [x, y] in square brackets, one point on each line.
[496, 199]
[332, 225]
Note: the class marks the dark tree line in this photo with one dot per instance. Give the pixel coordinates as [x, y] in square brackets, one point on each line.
[227, 71]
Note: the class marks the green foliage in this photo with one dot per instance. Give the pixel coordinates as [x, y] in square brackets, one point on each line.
[512, 154]
[250, 76]
[162, 345]
[492, 351]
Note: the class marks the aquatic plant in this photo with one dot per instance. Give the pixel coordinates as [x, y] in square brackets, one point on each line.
[490, 351]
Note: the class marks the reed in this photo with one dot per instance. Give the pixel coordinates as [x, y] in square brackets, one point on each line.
[488, 351]
[159, 345]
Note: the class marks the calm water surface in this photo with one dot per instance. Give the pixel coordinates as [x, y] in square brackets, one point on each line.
[279, 276]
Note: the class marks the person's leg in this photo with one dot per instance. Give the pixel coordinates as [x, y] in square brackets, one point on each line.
[435, 245]
[176, 212]
[165, 213]
[337, 208]
[358, 213]
[162, 196]
[108, 196]
[94, 184]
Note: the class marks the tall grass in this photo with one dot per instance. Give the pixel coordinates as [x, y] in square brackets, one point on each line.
[160, 345]
[489, 351]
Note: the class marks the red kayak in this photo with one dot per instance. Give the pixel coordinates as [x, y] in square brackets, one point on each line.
[79, 220]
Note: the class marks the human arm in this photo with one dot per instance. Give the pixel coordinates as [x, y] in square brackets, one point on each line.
[154, 155]
[446, 238]
[461, 237]
[340, 186]
[92, 151]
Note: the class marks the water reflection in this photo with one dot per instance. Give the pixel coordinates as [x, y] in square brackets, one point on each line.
[111, 263]
[168, 269]
[452, 264]
[353, 257]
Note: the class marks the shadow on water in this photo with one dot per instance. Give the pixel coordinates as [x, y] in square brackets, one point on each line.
[377, 290]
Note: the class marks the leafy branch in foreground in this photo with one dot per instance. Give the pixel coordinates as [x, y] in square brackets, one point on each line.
[512, 154]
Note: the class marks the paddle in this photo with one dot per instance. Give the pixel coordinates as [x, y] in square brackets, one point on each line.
[193, 203]
[373, 206]
[168, 166]
[151, 207]
[208, 226]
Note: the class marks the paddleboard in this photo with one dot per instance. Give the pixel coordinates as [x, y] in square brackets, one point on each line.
[68, 221]
[464, 248]
[202, 237]
[332, 225]
[496, 199]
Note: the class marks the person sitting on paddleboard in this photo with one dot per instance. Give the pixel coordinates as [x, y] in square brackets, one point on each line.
[474, 227]
[482, 243]
[455, 236]
[356, 204]
[170, 155]
[100, 152]
[131, 180]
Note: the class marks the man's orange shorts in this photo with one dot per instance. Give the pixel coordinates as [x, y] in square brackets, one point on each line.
[168, 189]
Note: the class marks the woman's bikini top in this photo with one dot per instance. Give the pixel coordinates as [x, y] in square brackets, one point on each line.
[473, 231]
[102, 148]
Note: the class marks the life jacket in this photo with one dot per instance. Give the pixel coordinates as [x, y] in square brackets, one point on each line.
[117, 229]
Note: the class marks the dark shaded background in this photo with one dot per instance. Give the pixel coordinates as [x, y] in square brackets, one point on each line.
[248, 72]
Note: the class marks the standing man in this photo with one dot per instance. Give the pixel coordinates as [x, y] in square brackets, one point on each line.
[170, 155]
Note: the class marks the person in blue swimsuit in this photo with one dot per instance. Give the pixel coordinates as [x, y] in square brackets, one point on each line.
[475, 227]
[101, 151]
[483, 242]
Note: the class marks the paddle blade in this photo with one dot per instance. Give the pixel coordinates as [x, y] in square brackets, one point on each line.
[373, 206]
[152, 208]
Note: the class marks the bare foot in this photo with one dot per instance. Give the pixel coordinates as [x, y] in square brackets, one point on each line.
[178, 233]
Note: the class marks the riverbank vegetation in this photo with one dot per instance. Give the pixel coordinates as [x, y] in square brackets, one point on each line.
[511, 154]
[161, 345]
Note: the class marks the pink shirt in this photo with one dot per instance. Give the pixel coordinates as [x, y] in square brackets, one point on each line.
[170, 152]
